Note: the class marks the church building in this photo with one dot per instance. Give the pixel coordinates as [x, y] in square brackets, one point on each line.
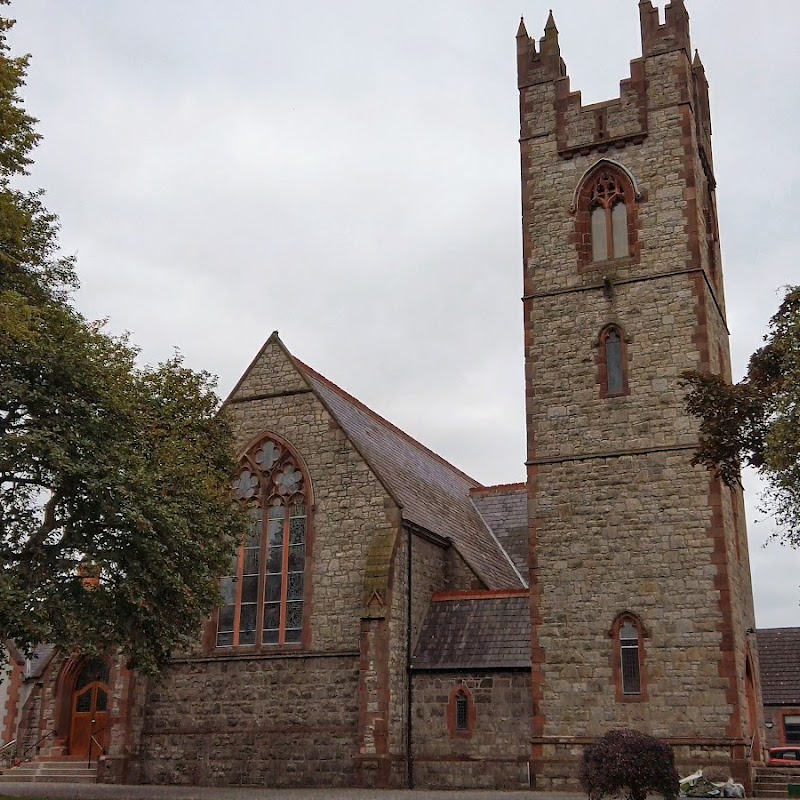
[391, 622]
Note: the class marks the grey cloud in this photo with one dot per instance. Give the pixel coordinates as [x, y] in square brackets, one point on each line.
[347, 173]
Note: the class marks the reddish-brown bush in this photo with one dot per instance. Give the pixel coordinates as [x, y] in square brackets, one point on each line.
[631, 764]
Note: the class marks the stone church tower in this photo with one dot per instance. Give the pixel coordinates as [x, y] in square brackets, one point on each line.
[641, 604]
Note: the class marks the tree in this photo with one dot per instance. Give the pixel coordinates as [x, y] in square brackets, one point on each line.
[756, 422]
[107, 469]
[630, 763]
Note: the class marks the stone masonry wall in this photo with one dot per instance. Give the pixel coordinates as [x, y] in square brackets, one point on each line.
[299, 717]
[496, 755]
[256, 722]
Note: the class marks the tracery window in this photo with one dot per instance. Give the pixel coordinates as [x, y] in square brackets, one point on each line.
[628, 634]
[263, 594]
[606, 215]
[609, 217]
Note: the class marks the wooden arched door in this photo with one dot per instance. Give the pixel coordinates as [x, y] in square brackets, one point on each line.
[89, 710]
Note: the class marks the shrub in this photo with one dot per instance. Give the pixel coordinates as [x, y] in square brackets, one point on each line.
[631, 764]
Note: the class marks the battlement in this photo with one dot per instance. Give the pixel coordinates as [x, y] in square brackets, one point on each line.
[673, 34]
[543, 65]
[549, 105]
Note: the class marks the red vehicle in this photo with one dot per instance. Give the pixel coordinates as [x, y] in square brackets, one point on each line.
[786, 756]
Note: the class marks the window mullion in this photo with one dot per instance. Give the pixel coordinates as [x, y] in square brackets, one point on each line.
[263, 554]
[237, 614]
[609, 233]
[285, 573]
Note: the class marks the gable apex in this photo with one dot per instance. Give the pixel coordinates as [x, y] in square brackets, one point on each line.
[273, 371]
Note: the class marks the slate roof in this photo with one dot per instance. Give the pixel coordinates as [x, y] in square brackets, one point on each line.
[40, 659]
[779, 660]
[475, 633]
[433, 493]
[505, 510]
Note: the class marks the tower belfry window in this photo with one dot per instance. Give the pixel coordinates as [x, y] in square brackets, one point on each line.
[609, 217]
[606, 208]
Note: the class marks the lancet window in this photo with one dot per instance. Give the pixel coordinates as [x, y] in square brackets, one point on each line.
[460, 713]
[612, 361]
[628, 661]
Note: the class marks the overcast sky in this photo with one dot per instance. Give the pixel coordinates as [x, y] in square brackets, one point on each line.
[347, 173]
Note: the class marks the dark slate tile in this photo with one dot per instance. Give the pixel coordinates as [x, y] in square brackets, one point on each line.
[487, 632]
[779, 660]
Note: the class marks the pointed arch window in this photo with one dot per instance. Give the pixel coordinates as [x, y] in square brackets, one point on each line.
[606, 215]
[609, 217]
[630, 677]
[612, 362]
[264, 593]
[460, 713]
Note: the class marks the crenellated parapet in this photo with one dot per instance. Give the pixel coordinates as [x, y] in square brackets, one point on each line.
[663, 76]
[542, 65]
[672, 34]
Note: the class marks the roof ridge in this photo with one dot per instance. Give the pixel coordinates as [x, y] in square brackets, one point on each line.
[390, 425]
[498, 488]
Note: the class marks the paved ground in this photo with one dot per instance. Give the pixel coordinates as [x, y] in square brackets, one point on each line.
[75, 791]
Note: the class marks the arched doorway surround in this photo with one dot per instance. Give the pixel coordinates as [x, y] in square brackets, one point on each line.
[82, 713]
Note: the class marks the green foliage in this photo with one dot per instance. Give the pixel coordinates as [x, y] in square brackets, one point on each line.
[630, 764]
[106, 468]
[757, 421]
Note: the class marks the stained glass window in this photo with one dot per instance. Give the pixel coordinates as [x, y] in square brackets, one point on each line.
[264, 591]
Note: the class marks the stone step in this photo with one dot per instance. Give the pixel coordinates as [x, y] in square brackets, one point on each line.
[790, 772]
[770, 789]
[65, 771]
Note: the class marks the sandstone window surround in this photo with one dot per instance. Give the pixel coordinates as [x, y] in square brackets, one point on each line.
[629, 674]
[265, 592]
[612, 361]
[460, 713]
[605, 206]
